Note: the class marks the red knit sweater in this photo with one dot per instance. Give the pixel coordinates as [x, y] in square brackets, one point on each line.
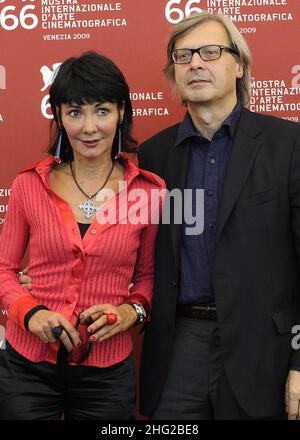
[71, 274]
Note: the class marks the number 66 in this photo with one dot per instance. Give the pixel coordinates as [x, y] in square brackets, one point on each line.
[174, 15]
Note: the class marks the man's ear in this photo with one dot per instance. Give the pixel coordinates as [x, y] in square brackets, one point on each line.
[240, 71]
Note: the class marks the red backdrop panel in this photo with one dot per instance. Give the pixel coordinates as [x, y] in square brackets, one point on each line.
[37, 34]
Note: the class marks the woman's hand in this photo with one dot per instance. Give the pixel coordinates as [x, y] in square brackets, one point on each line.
[43, 321]
[99, 329]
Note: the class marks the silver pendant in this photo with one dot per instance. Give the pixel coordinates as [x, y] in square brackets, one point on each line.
[88, 208]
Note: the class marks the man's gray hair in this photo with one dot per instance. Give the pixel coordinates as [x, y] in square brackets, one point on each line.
[236, 41]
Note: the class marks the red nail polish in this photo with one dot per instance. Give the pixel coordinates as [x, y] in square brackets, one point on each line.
[90, 329]
[93, 338]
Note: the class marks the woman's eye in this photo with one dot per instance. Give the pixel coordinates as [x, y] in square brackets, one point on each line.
[74, 113]
[102, 111]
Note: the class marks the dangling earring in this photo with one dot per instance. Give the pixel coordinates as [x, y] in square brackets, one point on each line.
[58, 148]
[119, 153]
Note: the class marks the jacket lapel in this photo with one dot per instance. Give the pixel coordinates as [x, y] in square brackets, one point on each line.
[176, 178]
[246, 145]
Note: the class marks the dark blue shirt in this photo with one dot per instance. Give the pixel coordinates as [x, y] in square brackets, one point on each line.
[206, 170]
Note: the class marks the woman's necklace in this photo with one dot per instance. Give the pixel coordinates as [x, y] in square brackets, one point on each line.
[89, 207]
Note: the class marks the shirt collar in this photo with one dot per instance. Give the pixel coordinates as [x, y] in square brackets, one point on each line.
[44, 167]
[187, 129]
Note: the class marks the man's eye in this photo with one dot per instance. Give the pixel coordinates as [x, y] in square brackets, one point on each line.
[211, 51]
[184, 54]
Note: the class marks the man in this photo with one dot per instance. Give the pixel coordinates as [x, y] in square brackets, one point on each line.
[218, 345]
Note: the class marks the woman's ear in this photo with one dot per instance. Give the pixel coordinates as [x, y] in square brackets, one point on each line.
[58, 116]
[121, 113]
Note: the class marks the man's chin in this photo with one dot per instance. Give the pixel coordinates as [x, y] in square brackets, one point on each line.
[197, 99]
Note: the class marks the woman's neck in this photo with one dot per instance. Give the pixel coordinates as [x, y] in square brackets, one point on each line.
[93, 168]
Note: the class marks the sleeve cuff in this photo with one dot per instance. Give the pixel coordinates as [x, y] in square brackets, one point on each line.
[20, 308]
[31, 313]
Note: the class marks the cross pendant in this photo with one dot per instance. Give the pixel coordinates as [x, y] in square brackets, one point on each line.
[88, 208]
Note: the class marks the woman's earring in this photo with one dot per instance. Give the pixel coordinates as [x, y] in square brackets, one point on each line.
[58, 148]
[119, 153]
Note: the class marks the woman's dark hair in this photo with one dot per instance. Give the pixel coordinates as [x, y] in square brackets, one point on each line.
[84, 80]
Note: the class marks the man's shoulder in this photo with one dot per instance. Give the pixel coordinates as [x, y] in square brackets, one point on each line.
[271, 122]
[161, 139]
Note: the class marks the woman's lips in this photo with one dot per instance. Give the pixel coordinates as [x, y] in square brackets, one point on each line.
[91, 144]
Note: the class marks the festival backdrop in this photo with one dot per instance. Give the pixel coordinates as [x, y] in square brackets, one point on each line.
[37, 35]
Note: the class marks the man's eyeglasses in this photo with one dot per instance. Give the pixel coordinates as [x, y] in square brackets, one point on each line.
[81, 352]
[207, 53]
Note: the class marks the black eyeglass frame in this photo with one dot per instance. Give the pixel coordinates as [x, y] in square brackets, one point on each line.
[220, 46]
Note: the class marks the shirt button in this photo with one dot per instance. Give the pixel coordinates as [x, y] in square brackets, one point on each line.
[93, 231]
[210, 193]
[211, 225]
[174, 283]
[213, 160]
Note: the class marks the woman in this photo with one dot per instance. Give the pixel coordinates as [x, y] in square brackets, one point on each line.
[68, 340]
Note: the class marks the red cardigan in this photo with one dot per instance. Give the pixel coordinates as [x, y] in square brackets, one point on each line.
[71, 274]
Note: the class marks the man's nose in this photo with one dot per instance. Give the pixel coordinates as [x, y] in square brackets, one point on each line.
[197, 62]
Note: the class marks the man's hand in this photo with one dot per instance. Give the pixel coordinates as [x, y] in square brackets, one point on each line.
[292, 395]
[25, 280]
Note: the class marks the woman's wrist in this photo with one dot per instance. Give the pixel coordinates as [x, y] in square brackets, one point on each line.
[139, 311]
[130, 314]
[137, 298]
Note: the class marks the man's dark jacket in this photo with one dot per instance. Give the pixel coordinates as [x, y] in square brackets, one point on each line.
[256, 266]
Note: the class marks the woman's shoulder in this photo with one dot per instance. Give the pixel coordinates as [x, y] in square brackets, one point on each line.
[152, 179]
[43, 165]
[30, 172]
